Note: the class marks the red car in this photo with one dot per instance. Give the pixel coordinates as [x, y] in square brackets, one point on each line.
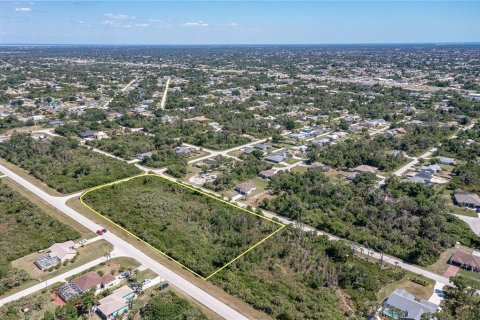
[100, 232]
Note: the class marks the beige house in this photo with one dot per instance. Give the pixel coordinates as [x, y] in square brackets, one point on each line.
[64, 251]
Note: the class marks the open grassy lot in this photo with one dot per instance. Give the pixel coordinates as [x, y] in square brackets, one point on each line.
[63, 164]
[24, 229]
[196, 230]
[418, 290]
[86, 253]
[126, 146]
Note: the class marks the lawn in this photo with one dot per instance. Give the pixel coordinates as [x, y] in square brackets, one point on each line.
[470, 274]
[199, 231]
[86, 254]
[418, 290]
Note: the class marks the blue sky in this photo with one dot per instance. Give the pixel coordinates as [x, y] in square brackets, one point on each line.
[243, 22]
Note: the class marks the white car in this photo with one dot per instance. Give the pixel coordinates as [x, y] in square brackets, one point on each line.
[83, 241]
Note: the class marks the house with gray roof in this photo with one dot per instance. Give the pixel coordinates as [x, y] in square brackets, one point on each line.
[446, 160]
[467, 199]
[276, 158]
[248, 150]
[262, 146]
[402, 305]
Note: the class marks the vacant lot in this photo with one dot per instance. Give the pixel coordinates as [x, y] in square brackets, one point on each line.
[24, 229]
[63, 164]
[198, 231]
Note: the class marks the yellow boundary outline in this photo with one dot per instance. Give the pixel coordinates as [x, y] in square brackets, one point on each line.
[281, 225]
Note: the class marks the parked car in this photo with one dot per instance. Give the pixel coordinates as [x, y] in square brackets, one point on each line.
[100, 232]
[83, 241]
[104, 230]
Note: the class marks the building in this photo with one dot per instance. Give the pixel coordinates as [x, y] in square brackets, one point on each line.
[467, 199]
[417, 122]
[267, 174]
[319, 166]
[116, 304]
[402, 305]
[245, 188]
[275, 158]
[56, 254]
[141, 156]
[365, 168]
[262, 146]
[86, 134]
[434, 168]
[446, 161]
[183, 151]
[248, 150]
[323, 142]
[100, 135]
[465, 260]
[89, 281]
[296, 136]
[474, 96]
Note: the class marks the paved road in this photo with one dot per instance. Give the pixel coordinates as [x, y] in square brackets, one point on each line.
[214, 153]
[124, 248]
[165, 92]
[405, 168]
[474, 223]
[376, 255]
[60, 278]
[373, 254]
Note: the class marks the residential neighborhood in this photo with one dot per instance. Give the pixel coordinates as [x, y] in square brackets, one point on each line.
[239, 160]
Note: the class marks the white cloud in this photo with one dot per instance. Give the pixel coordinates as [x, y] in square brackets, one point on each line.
[232, 24]
[23, 9]
[116, 24]
[198, 23]
[119, 16]
[109, 22]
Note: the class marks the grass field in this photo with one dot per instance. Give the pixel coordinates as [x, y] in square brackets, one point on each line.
[86, 253]
[197, 230]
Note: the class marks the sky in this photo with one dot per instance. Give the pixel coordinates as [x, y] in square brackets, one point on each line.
[238, 22]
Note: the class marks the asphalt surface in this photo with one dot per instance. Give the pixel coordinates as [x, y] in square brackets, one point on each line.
[123, 248]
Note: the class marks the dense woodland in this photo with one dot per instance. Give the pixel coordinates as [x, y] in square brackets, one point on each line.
[167, 305]
[126, 146]
[25, 229]
[232, 171]
[461, 301]
[405, 220]
[305, 276]
[62, 163]
[198, 231]
[464, 147]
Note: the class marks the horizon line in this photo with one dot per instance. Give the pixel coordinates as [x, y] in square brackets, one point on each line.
[247, 44]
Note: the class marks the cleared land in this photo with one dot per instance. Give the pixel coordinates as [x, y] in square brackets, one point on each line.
[199, 231]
